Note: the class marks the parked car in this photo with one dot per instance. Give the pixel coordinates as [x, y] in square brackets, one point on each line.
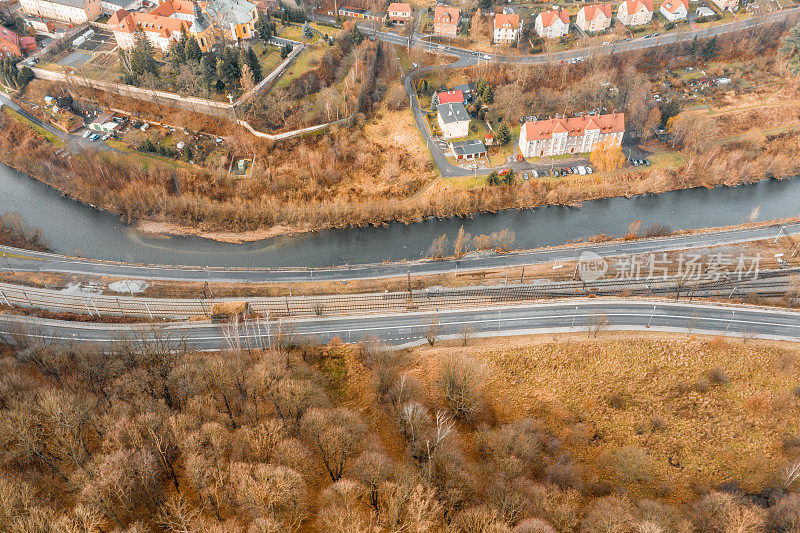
[504, 171]
[569, 170]
[105, 137]
[646, 161]
[589, 170]
[534, 174]
[94, 137]
[87, 133]
[635, 162]
[582, 170]
[145, 126]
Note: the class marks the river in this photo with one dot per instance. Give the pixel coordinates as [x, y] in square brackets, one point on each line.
[71, 228]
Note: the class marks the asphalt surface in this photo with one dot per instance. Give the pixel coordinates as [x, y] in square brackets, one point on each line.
[75, 142]
[409, 329]
[23, 260]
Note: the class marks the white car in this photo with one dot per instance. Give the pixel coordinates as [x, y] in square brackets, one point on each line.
[582, 170]
[487, 57]
[87, 133]
[534, 174]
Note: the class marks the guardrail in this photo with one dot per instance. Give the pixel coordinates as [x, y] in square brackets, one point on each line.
[99, 305]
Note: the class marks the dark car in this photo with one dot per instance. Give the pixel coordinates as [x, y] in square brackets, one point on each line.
[646, 161]
[635, 162]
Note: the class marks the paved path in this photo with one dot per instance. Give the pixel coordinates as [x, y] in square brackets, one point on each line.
[409, 329]
[23, 260]
[75, 142]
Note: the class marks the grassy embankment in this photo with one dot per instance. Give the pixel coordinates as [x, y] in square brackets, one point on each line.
[52, 138]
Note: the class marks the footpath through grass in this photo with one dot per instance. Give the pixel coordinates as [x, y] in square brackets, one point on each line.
[52, 138]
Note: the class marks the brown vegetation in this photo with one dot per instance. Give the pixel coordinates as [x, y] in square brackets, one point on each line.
[356, 438]
[14, 232]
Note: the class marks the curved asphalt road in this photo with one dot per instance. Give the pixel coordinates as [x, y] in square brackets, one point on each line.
[408, 329]
[23, 260]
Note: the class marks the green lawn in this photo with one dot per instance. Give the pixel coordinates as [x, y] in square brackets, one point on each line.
[55, 140]
[311, 55]
[268, 56]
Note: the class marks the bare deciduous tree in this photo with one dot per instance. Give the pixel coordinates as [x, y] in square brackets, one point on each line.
[337, 434]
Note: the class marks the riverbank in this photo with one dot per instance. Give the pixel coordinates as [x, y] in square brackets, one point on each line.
[295, 190]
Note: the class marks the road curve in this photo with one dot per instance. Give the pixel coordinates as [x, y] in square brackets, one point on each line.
[22, 260]
[409, 329]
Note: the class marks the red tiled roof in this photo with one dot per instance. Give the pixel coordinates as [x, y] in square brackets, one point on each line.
[9, 35]
[451, 97]
[549, 17]
[28, 43]
[633, 6]
[170, 7]
[673, 5]
[592, 11]
[501, 20]
[399, 7]
[448, 15]
[575, 126]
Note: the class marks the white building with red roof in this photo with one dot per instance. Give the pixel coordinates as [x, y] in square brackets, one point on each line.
[594, 17]
[448, 97]
[635, 12]
[552, 24]
[576, 135]
[675, 10]
[506, 27]
[399, 12]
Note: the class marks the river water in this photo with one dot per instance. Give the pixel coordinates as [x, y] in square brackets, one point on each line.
[70, 227]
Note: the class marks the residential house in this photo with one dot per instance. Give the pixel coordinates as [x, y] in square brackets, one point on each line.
[594, 17]
[453, 120]
[236, 19]
[362, 14]
[552, 24]
[727, 5]
[112, 6]
[506, 27]
[448, 97]
[42, 25]
[557, 136]
[635, 12]
[163, 25]
[704, 11]
[466, 150]
[12, 45]
[72, 11]
[675, 10]
[104, 123]
[399, 13]
[445, 21]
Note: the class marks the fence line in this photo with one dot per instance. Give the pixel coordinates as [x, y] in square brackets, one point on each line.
[432, 299]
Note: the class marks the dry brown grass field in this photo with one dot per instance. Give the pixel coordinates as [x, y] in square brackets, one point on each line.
[705, 411]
